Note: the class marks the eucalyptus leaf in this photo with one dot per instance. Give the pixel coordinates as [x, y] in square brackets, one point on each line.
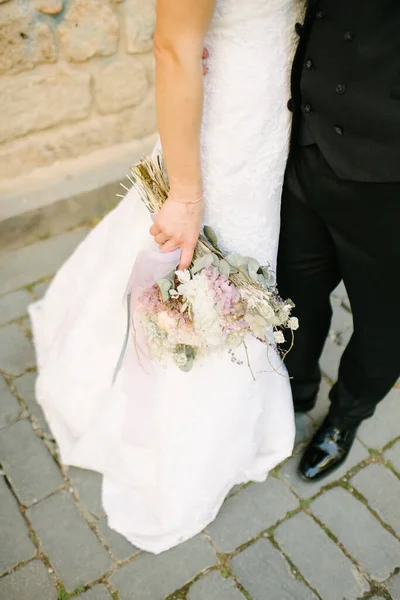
[165, 286]
[188, 367]
[224, 268]
[236, 260]
[201, 263]
[252, 268]
[211, 236]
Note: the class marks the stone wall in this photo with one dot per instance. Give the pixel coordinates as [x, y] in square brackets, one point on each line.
[76, 77]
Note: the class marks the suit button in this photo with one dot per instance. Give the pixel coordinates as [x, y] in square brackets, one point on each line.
[298, 28]
[339, 130]
[290, 105]
[348, 36]
[307, 108]
[340, 89]
[319, 15]
[309, 64]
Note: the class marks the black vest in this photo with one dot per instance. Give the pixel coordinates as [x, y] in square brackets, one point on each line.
[346, 86]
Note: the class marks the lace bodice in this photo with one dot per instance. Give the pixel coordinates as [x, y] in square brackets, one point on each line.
[246, 121]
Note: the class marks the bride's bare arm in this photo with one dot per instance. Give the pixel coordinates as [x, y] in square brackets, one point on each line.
[178, 42]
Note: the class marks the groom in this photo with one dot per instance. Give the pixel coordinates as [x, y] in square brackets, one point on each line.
[341, 212]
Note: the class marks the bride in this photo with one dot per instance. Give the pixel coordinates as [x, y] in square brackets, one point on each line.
[171, 446]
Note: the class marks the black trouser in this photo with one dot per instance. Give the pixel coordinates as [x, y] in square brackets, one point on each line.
[332, 230]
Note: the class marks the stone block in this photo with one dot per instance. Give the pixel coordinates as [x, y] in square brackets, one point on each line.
[319, 559]
[37, 101]
[98, 592]
[321, 409]
[306, 489]
[31, 582]
[16, 353]
[24, 43]
[73, 549]
[10, 408]
[381, 488]
[15, 543]
[118, 544]
[27, 463]
[49, 7]
[121, 84]
[393, 586]
[40, 289]
[25, 265]
[214, 587]
[173, 569]
[88, 487]
[383, 427]
[90, 28]
[304, 428]
[139, 121]
[14, 306]
[374, 548]
[393, 454]
[42, 149]
[25, 387]
[251, 511]
[264, 573]
[330, 360]
[140, 20]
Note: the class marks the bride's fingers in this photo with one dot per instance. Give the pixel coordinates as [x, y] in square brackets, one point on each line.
[161, 238]
[169, 246]
[155, 229]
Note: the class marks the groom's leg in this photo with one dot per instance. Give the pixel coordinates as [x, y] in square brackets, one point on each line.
[307, 273]
[368, 248]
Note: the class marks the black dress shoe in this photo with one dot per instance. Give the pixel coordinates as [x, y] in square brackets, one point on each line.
[327, 451]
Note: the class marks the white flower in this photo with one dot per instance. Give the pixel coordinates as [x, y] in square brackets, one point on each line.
[293, 323]
[183, 276]
[279, 337]
[257, 324]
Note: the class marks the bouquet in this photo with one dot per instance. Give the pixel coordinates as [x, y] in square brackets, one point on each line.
[211, 306]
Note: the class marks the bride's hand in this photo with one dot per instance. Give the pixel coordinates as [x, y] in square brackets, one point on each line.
[178, 225]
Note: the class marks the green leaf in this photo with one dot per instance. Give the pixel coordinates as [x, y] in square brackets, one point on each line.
[224, 268]
[165, 286]
[211, 236]
[201, 263]
[236, 260]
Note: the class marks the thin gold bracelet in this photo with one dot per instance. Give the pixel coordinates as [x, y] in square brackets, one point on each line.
[190, 202]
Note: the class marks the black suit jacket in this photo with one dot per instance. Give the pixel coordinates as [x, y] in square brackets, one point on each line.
[346, 86]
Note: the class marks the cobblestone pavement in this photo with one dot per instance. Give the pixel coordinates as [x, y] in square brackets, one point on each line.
[285, 539]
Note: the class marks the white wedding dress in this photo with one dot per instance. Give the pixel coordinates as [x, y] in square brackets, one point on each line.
[171, 446]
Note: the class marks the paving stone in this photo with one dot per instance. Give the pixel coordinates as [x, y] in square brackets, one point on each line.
[304, 428]
[250, 512]
[98, 592]
[25, 386]
[73, 549]
[15, 543]
[321, 409]
[374, 548]
[394, 587]
[393, 454]
[119, 546]
[306, 489]
[342, 319]
[174, 569]
[16, 353]
[214, 587]
[10, 408]
[319, 559]
[21, 267]
[88, 486]
[264, 573]
[13, 306]
[330, 360]
[383, 427]
[381, 488]
[41, 288]
[28, 464]
[341, 294]
[31, 582]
